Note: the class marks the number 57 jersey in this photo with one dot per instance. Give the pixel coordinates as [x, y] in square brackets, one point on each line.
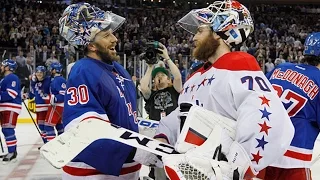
[298, 88]
[234, 86]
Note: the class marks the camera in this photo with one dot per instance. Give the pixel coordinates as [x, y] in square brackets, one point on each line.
[150, 52]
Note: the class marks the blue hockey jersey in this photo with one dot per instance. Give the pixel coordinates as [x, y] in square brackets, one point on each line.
[105, 92]
[298, 88]
[10, 97]
[58, 89]
[40, 90]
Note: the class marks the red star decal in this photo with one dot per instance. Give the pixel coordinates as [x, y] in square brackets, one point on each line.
[236, 4]
[264, 127]
[256, 157]
[264, 100]
[192, 87]
[203, 81]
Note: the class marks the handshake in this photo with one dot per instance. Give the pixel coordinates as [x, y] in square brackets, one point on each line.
[210, 158]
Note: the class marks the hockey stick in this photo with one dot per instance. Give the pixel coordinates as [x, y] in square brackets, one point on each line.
[2, 148]
[68, 145]
[55, 110]
[33, 121]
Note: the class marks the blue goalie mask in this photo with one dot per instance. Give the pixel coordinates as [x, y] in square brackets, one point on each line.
[81, 22]
[312, 44]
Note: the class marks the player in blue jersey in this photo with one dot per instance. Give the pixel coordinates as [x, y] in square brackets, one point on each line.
[298, 88]
[10, 106]
[99, 88]
[40, 89]
[56, 99]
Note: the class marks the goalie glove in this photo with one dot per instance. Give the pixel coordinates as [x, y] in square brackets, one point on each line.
[209, 161]
[147, 158]
[197, 165]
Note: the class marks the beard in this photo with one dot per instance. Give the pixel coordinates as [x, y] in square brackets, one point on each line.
[206, 48]
[105, 55]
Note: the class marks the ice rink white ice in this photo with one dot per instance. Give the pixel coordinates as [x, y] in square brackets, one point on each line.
[31, 166]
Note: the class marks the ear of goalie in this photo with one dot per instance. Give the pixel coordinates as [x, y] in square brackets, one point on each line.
[207, 139]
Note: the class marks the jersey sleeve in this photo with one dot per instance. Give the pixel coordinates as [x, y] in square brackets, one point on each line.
[59, 87]
[168, 127]
[84, 99]
[11, 90]
[264, 128]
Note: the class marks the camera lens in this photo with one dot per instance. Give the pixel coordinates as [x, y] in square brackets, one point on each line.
[150, 54]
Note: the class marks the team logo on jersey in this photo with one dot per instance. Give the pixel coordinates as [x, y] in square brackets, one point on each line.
[13, 84]
[121, 80]
[63, 85]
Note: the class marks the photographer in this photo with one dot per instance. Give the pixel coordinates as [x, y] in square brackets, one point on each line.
[161, 96]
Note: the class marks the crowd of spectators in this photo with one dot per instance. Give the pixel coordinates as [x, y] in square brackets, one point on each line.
[30, 30]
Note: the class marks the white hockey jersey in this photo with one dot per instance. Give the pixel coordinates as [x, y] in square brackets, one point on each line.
[234, 86]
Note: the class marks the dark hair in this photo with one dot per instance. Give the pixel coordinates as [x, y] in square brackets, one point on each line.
[311, 60]
[85, 50]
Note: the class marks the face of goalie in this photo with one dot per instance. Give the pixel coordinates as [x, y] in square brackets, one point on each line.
[104, 45]
[206, 43]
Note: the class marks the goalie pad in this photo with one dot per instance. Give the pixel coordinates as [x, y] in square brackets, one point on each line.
[69, 144]
[199, 125]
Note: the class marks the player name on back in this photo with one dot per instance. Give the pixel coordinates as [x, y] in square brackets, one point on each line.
[298, 79]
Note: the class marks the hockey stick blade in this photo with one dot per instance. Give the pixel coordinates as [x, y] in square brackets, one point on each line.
[65, 147]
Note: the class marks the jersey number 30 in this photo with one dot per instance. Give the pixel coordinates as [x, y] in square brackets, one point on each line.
[78, 95]
[287, 96]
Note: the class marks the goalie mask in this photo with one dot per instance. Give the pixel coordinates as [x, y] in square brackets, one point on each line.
[229, 19]
[312, 44]
[81, 22]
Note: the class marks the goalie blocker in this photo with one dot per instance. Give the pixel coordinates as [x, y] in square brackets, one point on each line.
[68, 145]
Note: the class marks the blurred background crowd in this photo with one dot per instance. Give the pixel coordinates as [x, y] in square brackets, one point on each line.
[29, 33]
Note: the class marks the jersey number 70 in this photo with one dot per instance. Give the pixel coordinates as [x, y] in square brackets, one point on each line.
[287, 96]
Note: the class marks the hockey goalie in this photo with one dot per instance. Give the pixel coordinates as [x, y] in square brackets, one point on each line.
[230, 84]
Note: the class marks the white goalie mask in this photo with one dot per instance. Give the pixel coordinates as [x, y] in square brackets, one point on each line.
[229, 19]
[81, 22]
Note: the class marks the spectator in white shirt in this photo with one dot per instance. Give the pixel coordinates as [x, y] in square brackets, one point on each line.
[269, 65]
[21, 60]
[51, 60]
[244, 47]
